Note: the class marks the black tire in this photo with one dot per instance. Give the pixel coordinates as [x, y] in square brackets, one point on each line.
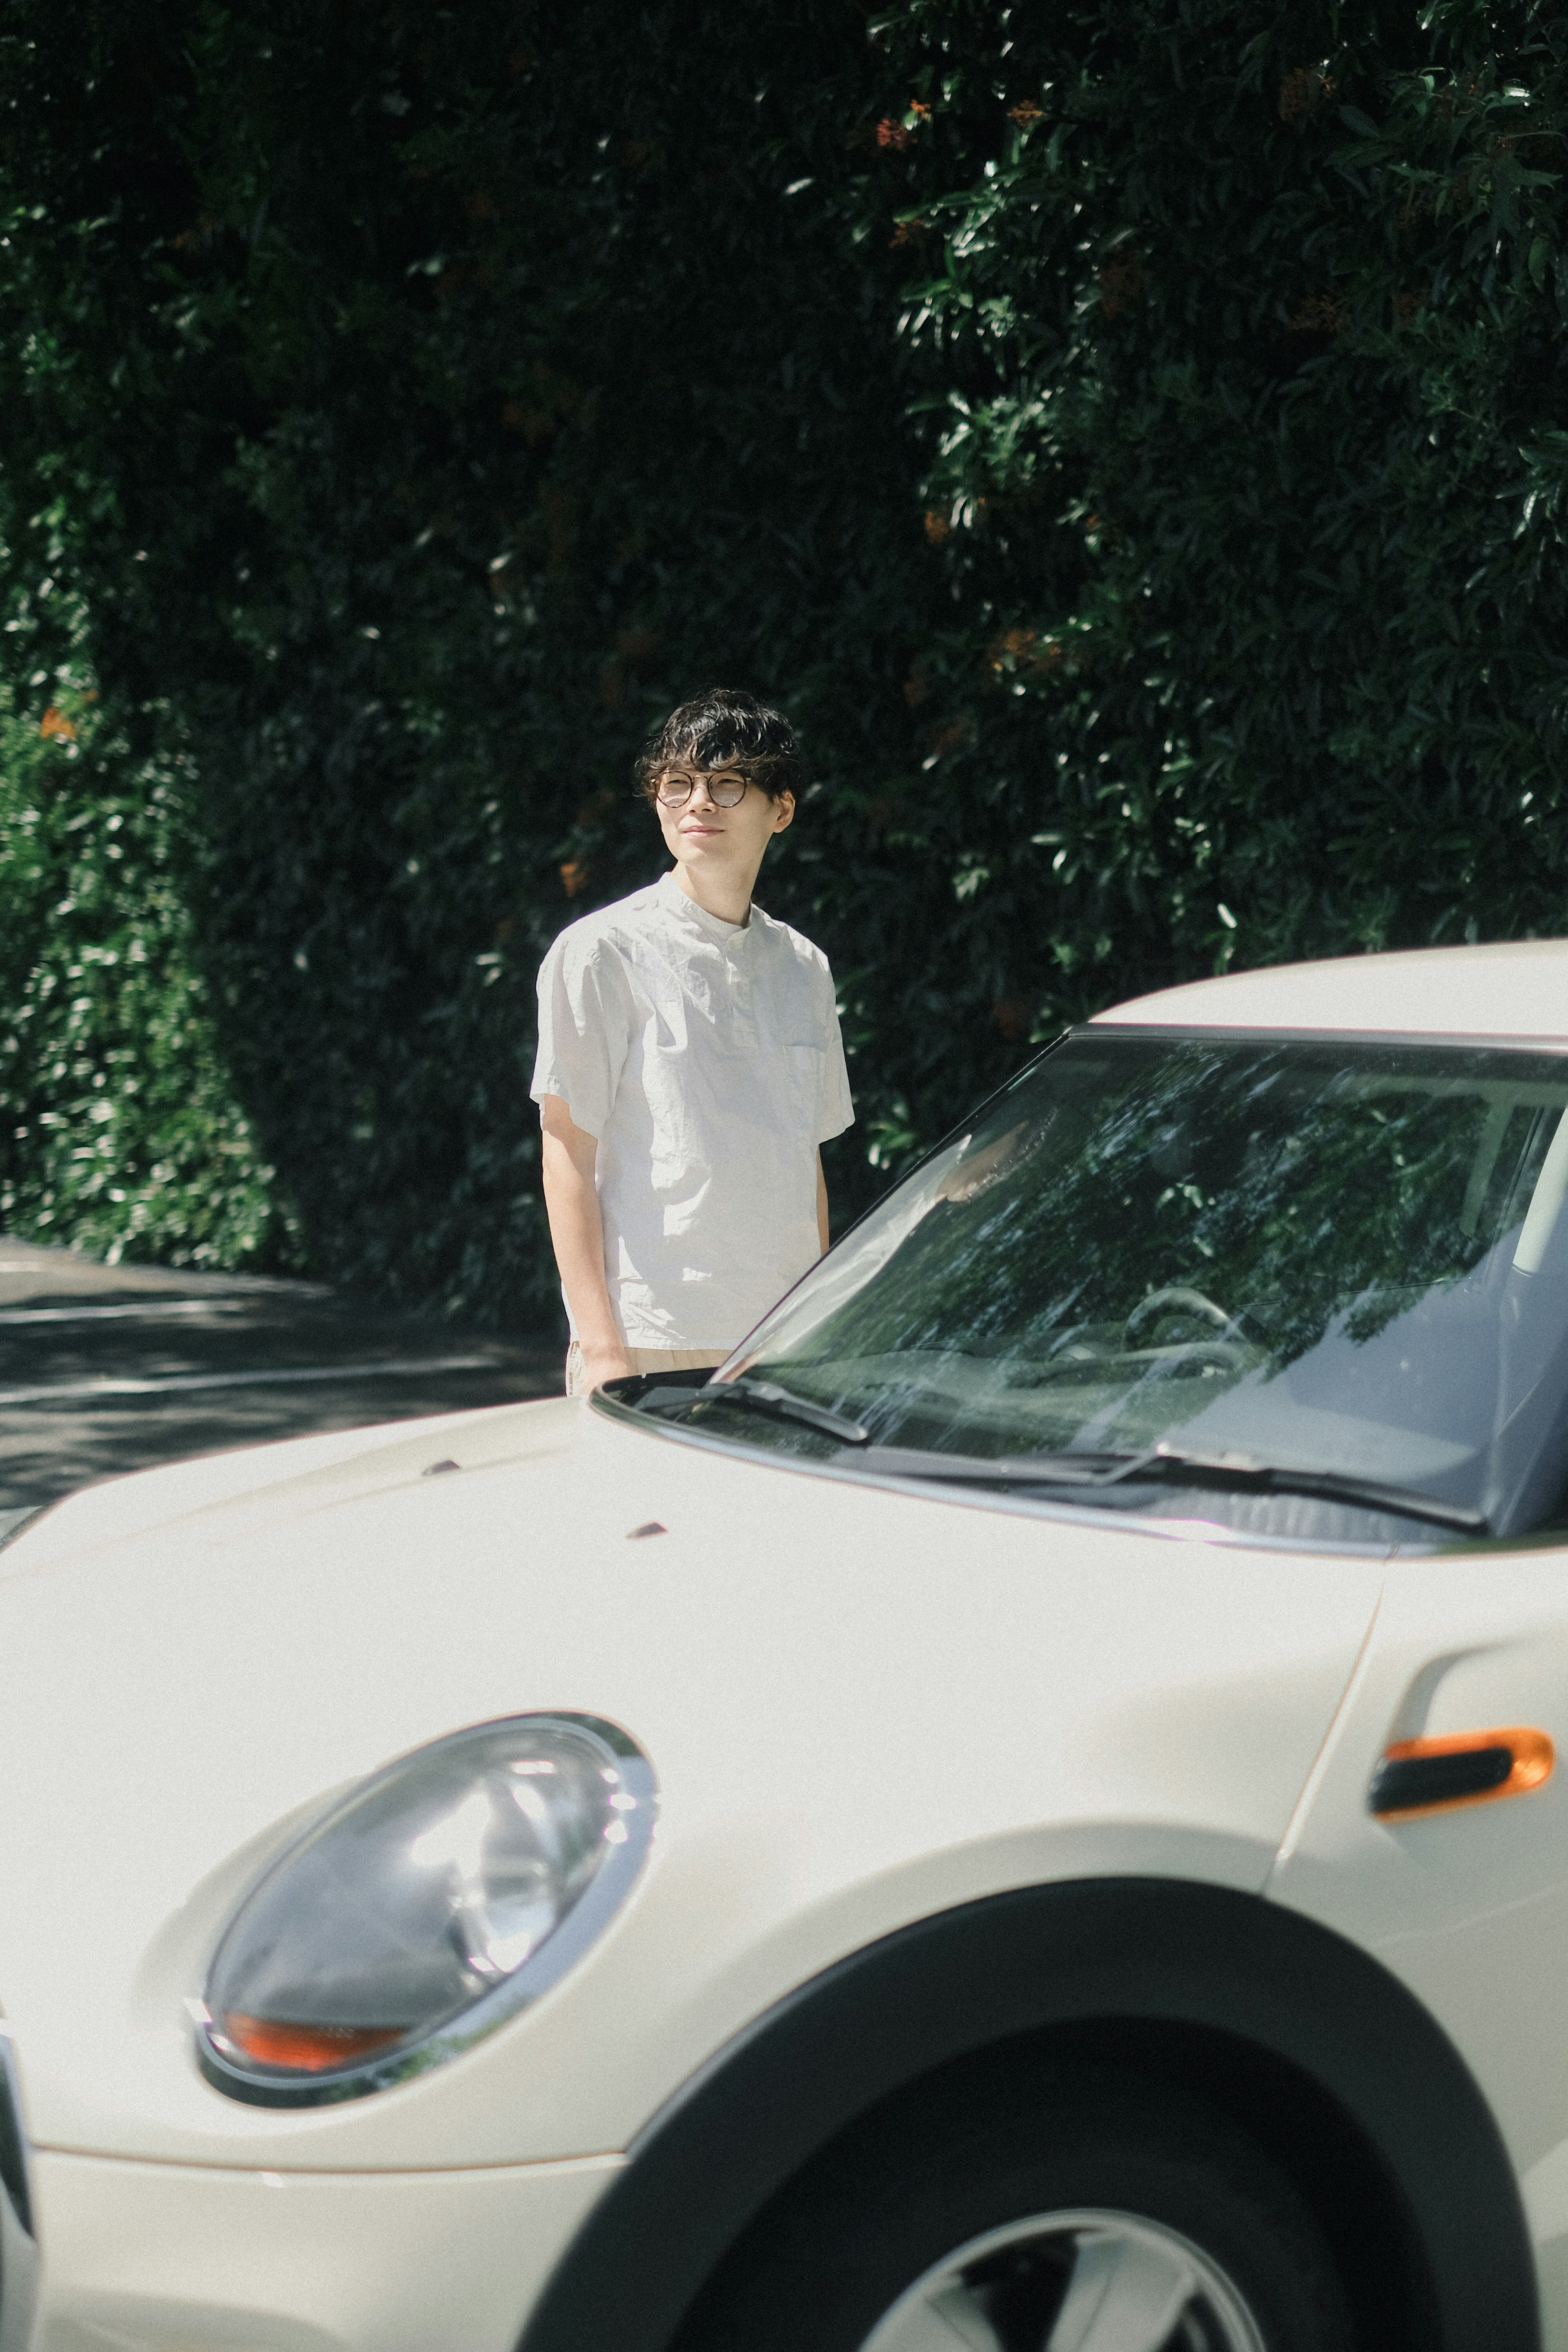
[823, 2269]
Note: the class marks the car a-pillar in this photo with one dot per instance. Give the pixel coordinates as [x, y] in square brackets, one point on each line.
[1018, 2021]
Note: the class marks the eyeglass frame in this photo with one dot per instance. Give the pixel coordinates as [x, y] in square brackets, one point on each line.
[712, 777]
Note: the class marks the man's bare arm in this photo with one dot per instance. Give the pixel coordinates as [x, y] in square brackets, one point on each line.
[821, 1205]
[577, 1233]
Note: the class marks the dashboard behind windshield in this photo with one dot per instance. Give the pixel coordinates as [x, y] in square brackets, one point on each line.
[1342, 1257]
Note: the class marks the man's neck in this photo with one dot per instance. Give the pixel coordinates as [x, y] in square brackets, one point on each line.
[725, 895]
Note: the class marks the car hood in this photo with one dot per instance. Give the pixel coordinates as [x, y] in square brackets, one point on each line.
[861, 1703]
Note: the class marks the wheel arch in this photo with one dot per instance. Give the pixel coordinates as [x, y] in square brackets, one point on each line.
[1298, 2034]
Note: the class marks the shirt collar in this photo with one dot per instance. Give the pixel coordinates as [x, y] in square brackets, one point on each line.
[687, 911]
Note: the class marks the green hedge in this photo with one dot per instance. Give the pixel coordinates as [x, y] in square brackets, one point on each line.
[119, 1128]
[1246, 430]
[1131, 441]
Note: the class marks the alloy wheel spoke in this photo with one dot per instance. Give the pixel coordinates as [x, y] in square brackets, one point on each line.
[1126, 2294]
[949, 2320]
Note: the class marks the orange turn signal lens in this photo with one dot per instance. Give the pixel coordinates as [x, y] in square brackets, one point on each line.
[306, 2049]
[1437, 1775]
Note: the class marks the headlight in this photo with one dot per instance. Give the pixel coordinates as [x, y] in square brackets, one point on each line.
[438, 1899]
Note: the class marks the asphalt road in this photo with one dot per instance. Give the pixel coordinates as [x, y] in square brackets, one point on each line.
[110, 1369]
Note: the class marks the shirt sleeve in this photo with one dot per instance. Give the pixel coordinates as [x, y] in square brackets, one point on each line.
[835, 1106]
[583, 1029]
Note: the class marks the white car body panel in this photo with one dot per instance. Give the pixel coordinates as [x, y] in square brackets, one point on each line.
[1517, 989]
[1075, 1701]
[1469, 1908]
[208, 2260]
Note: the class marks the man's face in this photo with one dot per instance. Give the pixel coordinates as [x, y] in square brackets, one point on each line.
[700, 831]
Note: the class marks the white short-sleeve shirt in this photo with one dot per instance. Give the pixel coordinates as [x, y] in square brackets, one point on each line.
[705, 1058]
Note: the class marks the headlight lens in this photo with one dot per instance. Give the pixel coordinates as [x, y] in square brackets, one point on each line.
[441, 1896]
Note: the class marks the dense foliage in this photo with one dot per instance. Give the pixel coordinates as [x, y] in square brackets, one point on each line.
[118, 1129]
[1243, 364]
[1131, 441]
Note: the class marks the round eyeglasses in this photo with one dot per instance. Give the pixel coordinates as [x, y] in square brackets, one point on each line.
[725, 788]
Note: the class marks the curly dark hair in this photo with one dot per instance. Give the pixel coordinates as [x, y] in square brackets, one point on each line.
[724, 729]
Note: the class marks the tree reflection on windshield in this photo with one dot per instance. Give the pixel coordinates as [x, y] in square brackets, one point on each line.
[1303, 1249]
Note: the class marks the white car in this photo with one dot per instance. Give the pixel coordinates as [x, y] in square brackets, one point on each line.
[1020, 1817]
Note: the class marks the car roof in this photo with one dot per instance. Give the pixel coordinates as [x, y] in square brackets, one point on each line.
[1517, 989]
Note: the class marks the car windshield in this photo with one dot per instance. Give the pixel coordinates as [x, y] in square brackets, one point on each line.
[1295, 1260]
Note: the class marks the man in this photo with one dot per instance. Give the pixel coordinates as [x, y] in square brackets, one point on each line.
[689, 1067]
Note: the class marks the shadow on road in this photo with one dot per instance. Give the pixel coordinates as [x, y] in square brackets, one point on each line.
[110, 1369]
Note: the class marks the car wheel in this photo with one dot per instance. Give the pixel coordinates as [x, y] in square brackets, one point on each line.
[1112, 2217]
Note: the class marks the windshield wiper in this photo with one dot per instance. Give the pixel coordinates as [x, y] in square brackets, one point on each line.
[783, 1404]
[1164, 1461]
[1080, 1468]
[1102, 1470]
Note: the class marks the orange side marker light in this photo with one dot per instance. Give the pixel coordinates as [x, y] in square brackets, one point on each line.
[1458, 1768]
